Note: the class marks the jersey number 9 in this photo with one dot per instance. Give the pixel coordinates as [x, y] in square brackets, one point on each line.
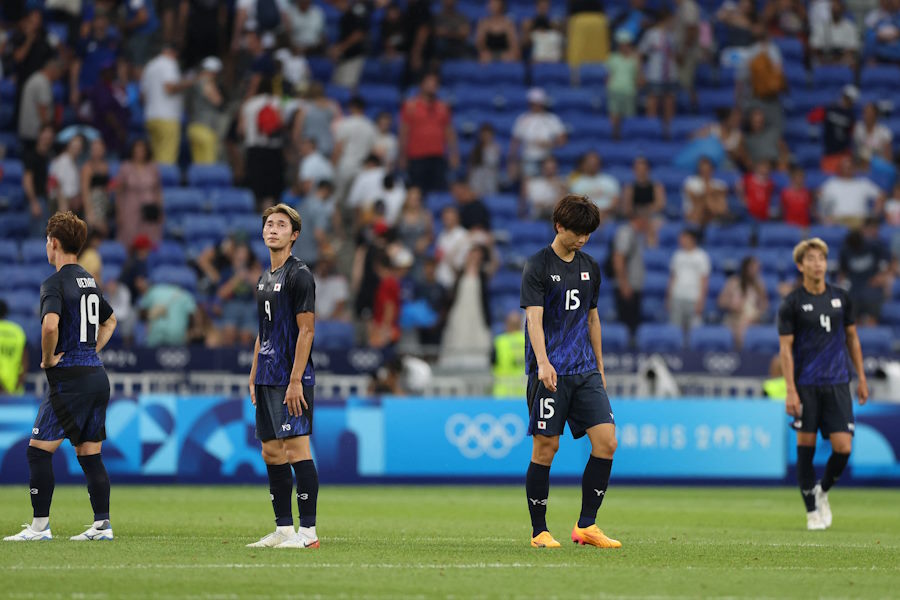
[90, 315]
[268, 308]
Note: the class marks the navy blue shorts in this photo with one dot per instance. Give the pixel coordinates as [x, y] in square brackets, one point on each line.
[579, 400]
[75, 407]
[273, 421]
[826, 408]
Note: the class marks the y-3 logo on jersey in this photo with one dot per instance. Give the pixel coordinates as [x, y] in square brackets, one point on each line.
[555, 278]
[807, 307]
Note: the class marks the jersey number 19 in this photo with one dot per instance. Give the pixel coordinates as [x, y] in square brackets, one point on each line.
[90, 315]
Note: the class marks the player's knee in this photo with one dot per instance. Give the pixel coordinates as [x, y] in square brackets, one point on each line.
[294, 455]
[545, 449]
[273, 456]
[605, 447]
[842, 447]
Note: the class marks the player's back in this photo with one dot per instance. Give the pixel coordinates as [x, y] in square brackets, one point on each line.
[74, 295]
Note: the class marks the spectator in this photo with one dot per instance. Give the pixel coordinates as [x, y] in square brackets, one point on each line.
[415, 227]
[534, 136]
[206, 104]
[739, 21]
[848, 199]
[314, 167]
[99, 48]
[317, 213]
[467, 335]
[13, 355]
[199, 25]
[658, 47]
[35, 178]
[761, 73]
[635, 19]
[295, 71]
[643, 194]
[727, 129]
[262, 126]
[428, 289]
[865, 265]
[756, 189]
[95, 188]
[386, 144]
[451, 247]
[89, 258]
[354, 138]
[763, 143]
[36, 104]
[796, 201]
[419, 33]
[139, 202]
[509, 358]
[624, 68]
[307, 26]
[239, 319]
[65, 183]
[452, 29]
[372, 185]
[871, 138]
[883, 34]
[318, 116]
[119, 297]
[628, 268]
[838, 130]
[544, 191]
[427, 138]
[704, 196]
[261, 16]
[350, 50]
[108, 101]
[136, 272]
[495, 35]
[332, 289]
[835, 41]
[385, 329]
[255, 63]
[393, 33]
[473, 214]
[162, 88]
[785, 18]
[743, 299]
[688, 282]
[544, 40]
[691, 46]
[484, 163]
[168, 310]
[31, 51]
[602, 189]
[140, 34]
[892, 207]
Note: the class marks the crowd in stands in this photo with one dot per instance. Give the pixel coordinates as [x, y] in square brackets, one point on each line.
[424, 145]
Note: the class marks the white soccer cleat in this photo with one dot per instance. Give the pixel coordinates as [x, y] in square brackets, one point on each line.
[93, 534]
[822, 505]
[814, 521]
[305, 538]
[275, 538]
[30, 535]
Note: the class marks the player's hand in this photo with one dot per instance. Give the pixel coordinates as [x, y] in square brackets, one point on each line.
[792, 403]
[862, 391]
[252, 387]
[55, 361]
[294, 399]
[547, 376]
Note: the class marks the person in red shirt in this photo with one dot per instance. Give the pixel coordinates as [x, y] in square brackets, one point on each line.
[385, 329]
[757, 189]
[796, 201]
[427, 138]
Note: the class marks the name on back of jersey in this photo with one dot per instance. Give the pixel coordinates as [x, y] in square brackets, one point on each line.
[86, 282]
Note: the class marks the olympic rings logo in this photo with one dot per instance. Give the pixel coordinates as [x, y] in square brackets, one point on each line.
[484, 434]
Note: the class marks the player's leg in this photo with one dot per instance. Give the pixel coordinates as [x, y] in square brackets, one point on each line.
[595, 479]
[96, 393]
[41, 483]
[547, 418]
[838, 424]
[807, 426]
[299, 456]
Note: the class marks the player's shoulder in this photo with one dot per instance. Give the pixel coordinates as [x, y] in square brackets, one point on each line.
[585, 258]
[837, 292]
[538, 260]
[297, 270]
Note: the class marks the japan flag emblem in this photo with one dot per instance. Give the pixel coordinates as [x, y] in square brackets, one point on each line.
[585, 276]
[277, 287]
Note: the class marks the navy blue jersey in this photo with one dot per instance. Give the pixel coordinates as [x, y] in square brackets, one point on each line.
[567, 291]
[817, 323]
[282, 295]
[73, 294]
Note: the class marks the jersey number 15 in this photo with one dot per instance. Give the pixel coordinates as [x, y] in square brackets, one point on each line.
[90, 315]
[572, 300]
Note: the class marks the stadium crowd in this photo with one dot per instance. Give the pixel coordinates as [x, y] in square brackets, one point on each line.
[424, 145]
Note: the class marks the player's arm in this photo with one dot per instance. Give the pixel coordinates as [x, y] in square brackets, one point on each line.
[534, 315]
[856, 357]
[786, 355]
[595, 336]
[306, 323]
[49, 339]
[252, 382]
[105, 331]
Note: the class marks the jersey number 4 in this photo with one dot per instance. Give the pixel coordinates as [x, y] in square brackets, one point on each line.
[572, 301]
[90, 315]
[825, 322]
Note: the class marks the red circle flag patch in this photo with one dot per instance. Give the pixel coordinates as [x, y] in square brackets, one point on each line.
[585, 276]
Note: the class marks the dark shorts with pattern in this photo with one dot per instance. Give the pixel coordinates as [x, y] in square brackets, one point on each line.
[273, 421]
[826, 408]
[75, 407]
[579, 400]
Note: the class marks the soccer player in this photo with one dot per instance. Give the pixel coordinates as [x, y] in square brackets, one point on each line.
[564, 363]
[76, 323]
[816, 331]
[282, 379]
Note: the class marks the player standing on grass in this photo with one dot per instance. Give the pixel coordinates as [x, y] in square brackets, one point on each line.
[76, 323]
[282, 379]
[566, 382]
[816, 331]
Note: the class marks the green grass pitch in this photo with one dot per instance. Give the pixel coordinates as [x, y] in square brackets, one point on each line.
[458, 542]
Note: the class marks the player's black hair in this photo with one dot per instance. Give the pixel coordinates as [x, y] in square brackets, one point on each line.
[68, 230]
[577, 214]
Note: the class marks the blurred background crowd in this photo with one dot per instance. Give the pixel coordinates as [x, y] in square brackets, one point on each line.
[425, 144]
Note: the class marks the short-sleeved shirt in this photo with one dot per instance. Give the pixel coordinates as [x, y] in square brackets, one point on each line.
[623, 72]
[758, 196]
[133, 7]
[427, 123]
[842, 197]
[159, 104]
[37, 92]
[357, 134]
[688, 268]
[567, 291]
[535, 131]
[73, 294]
[861, 265]
[627, 242]
[94, 54]
[795, 206]
[281, 295]
[169, 329]
[838, 131]
[355, 18]
[602, 189]
[817, 323]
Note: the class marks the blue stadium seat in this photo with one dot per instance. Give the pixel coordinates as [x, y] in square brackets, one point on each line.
[14, 226]
[169, 176]
[799, 131]
[796, 75]
[583, 100]
[474, 72]
[890, 315]
[381, 97]
[833, 235]
[779, 235]
[592, 75]
[25, 277]
[720, 236]
[181, 276]
[530, 231]
[34, 251]
[800, 102]
[615, 337]
[22, 302]
[232, 201]
[711, 338]
[791, 48]
[657, 259]
[9, 252]
[167, 252]
[383, 72]
[550, 74]
[668, 234]
[7, 90]
[12, 197]
[249, 225]
[642, 128]
[111, 272]
[762, 339]
[506, 282]
[334, 335]
[712, 100]
[880, 76]
[320, 67]
[181, 201]
[339, 94]
[656, 284]
[204, 228]
[209, 176]
[659, 337]
[11, 171]
[808, 156]
[832, 76]
[438, 201]
[682, 128]
[502, 206]
[472, 96]
[112, 253]
[876, 341]
[31, 326]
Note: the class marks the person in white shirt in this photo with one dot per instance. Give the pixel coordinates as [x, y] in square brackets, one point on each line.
[332, 289]
[372, 184]
[871, 138]
[835, 40]
[386, 144]
[354, 138]
[294, 68]
[602, 189]
[314, 167]
[535, 134]
[162, 88]
[451, 247]
[245, 19]
[688, 282]
[544, 191]
[307, 23]
[65, 177]
[847, 200]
